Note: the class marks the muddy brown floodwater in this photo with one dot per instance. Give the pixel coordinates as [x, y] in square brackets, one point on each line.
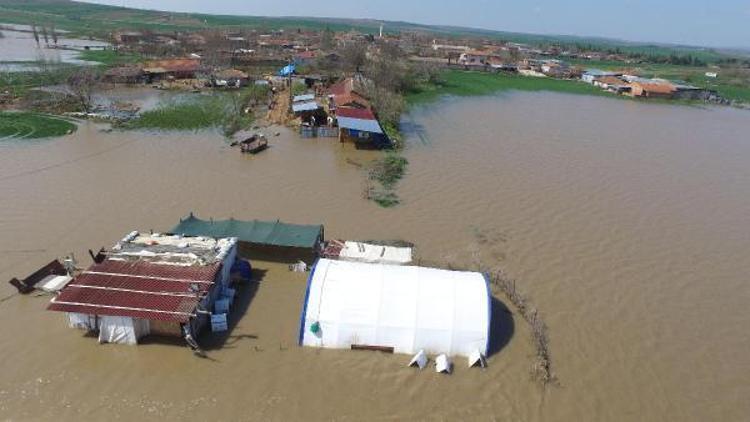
[627, 223]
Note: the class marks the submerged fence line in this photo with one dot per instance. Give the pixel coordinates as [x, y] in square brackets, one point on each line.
[542, 368]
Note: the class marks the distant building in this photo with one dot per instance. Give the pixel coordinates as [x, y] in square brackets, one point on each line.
[156, 70]
[613, 84]
[124, 75]
[590, 75]
[230, 78]
[652, 89]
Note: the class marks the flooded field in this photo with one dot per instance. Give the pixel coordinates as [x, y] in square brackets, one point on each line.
[18, 48]
[627, 223]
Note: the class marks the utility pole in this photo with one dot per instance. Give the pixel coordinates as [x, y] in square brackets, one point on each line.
[289, 83]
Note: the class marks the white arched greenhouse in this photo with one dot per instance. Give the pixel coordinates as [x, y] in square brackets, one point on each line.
[400, 308]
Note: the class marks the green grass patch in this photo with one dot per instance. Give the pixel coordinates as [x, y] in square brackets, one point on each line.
[26, 125]
[18, 83]
[184, 114]
[109, 57]
[733, 92]
[386, 172]
[467, 83]
[199, 112]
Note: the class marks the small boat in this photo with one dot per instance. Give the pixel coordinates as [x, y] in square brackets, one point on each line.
[254, 144]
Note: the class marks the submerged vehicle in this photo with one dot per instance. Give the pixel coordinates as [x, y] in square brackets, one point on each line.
[254, 144]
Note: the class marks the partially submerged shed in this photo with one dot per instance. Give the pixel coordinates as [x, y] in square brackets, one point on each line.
[274, 237]
[361, 127]
[403, 309]
[149, 284]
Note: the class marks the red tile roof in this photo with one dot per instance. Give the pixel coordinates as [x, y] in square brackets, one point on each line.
[656, 87]
[137, 289]
[351, 98]
[355, 113]
[342, 87]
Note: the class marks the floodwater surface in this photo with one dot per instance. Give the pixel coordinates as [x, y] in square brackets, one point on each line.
[18, 48]
[626, 224]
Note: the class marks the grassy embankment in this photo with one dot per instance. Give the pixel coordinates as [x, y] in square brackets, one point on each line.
[26, 125]
[467, 83]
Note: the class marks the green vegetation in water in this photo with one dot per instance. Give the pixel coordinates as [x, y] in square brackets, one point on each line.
[393, 133]
[26, 125]
[18, 83]
[224, 110]
[184, 114]
[466, 83]
[387, 172]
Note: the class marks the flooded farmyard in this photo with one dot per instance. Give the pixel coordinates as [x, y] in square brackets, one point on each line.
[626, 223]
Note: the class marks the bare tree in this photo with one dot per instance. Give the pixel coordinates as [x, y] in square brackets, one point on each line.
[326, 39]
[54, 35]
[354, 56]
[45, 35]
[81, 85]
[36, 34]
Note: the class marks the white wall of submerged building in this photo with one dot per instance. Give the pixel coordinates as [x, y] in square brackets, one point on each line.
[407, 308]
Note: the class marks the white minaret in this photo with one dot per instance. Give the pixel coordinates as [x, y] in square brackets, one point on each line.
[381, 30]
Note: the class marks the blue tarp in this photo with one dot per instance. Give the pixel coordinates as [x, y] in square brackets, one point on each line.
[287, 70]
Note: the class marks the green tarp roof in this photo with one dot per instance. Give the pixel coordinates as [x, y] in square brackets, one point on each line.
[260, 232]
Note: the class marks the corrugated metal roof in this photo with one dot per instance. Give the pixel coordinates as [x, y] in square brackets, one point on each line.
[137, 289]
[355, 113]
[273, 233]
[307, 106]
[364, 125]
[304, 97]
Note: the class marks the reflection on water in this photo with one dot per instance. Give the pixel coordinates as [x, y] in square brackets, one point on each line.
[627, 223]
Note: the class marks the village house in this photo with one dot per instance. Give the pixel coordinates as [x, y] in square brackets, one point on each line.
[151, 284]
[651, 89]
[157, 70]
[473, 58]
[613, 84]
[360, 127]
[128, 37]
[590, 75]
[230, 78]
[555, 68]
[124, 75]
[343, 94]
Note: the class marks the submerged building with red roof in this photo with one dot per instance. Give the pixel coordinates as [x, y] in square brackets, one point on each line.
[150, 284]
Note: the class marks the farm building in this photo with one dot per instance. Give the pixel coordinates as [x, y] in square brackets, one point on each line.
[149, 284]
[367, 252]
[124, 74]
[402, 309]
[273, 238]
[309, 110]
[157, 70]
[590, 75]
[613, 84]
[360, 127]
[652, 89]
[230, 78]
